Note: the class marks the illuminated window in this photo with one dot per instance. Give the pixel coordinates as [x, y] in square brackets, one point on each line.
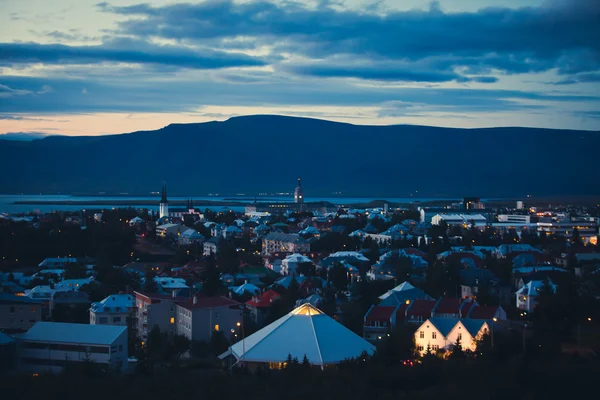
[172, 320]
[460, 336]
[433, 335]
[422, 335]
[217, 327]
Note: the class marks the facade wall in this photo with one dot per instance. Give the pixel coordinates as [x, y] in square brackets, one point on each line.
[19, 315]
[150, 314]
[427, 334]
[55, 356]
[199, 323]
[105, 318]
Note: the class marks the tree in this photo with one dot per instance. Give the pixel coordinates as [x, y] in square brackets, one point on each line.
[338, 276]
[457, 350]
[218, 342]
[149, 283]
[181, 344]
[306, 269]
[212, 285]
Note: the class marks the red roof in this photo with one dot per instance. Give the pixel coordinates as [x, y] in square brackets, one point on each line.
[420, 308]
[401, 313]
[209, 302]
[264, 300]
[416, 252]
[380, 313]
[467, 306]
[448, 306]
[483, 312]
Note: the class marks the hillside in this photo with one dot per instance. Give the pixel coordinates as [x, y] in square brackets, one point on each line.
[266, 153]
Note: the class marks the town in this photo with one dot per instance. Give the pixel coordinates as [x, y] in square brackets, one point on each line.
[295, 285]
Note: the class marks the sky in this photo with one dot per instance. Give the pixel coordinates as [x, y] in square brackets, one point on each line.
[84, 67]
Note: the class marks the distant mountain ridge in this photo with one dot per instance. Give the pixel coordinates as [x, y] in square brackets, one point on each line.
[266, 153]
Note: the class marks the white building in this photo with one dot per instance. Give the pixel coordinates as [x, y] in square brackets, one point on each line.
[284, 243]
[291, 262]
[53, 263]
[198, 318]
[168, 230]
[442, 333]
[164, 204]
[459, 219]
[305, 331]
[190, 236]
[136, 221]
[116, 309]
[520, 219]
[50, 346]
[527, 296]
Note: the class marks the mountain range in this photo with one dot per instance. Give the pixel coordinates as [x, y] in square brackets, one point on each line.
[266, 153]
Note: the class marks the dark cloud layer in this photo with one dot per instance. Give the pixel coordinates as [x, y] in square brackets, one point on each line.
[561, 35]
[127, 51]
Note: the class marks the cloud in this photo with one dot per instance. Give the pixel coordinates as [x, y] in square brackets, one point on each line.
[580, 78]
[510, 40]
[122, 50]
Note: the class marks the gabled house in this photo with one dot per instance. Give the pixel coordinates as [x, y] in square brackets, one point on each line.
[403, 293]
[260, 305]
[527, 296]
[442, 333]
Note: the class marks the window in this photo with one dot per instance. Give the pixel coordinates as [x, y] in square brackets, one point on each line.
[420, 347]
[435, 347]
[433, 335]
[116, 319]
[172, 320]
[422, 335]
[217, 327]
[460, 336]
[103, 320]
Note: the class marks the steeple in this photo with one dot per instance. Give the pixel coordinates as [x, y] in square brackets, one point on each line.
[164, 194]
[299, 194]
[299, 185]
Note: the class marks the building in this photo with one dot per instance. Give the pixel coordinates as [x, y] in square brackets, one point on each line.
[116, 309]
[57, 263]
[514, 218]
[304, 332]
[51, 346]
[403, 293]
[70, 306]
[155, 310]
[459, 219]
[519, 204]
[291, 262]
[168, 230]
[260, 306]
[189, 237]
[527, 296]
[473, 203]
[164, 204]
[8, 353]
[198, 317]
[442, 333]
[284, 243]
[212, 245]
[588, 230]
[19, 313]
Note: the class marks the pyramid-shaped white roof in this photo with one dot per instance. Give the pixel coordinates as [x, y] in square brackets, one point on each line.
[306, 330]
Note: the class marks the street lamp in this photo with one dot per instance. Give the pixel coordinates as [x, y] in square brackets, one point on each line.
[239, 325]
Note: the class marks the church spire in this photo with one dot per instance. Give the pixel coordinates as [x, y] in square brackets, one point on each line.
[164, 194]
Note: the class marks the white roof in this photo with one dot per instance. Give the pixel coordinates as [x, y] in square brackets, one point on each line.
[344, 254]
[61, 332]
[311, 230]
[190, 233]
[73, 283]
[246, 288]
[170, 283]
[135, 220]
[53, 261]
[304, 331]
[115, 303]
[166, 226]
[299, 258]
[358, 233]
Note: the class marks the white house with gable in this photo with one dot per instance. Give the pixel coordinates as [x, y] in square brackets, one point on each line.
[442, 333]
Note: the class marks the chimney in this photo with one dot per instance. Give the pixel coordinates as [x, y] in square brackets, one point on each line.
[174, 293]
[195, 300]
[245, 281]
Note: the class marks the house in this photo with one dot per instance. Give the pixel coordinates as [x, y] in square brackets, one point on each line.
[189, 237]
[314, 300]
[527, 296]
[18, 313]
[116, 309]
[350, 257]
[135, 221]
[155, 310]
[70, 306]
[51, 346]
[419, 310]
[379, 321]
[289, 264]
[510, 250]
[212, 245]
[442, 333]
[305, 331]
[284, 243]
[42, 292]
[403, 293]
[466, 220]
[246, 288]
[217, 230]
[232, 231]
[168, 285]
[73, 284]
[198, 317]
[488, 313]
[260, 305]
[57, 263]
[168, 230]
